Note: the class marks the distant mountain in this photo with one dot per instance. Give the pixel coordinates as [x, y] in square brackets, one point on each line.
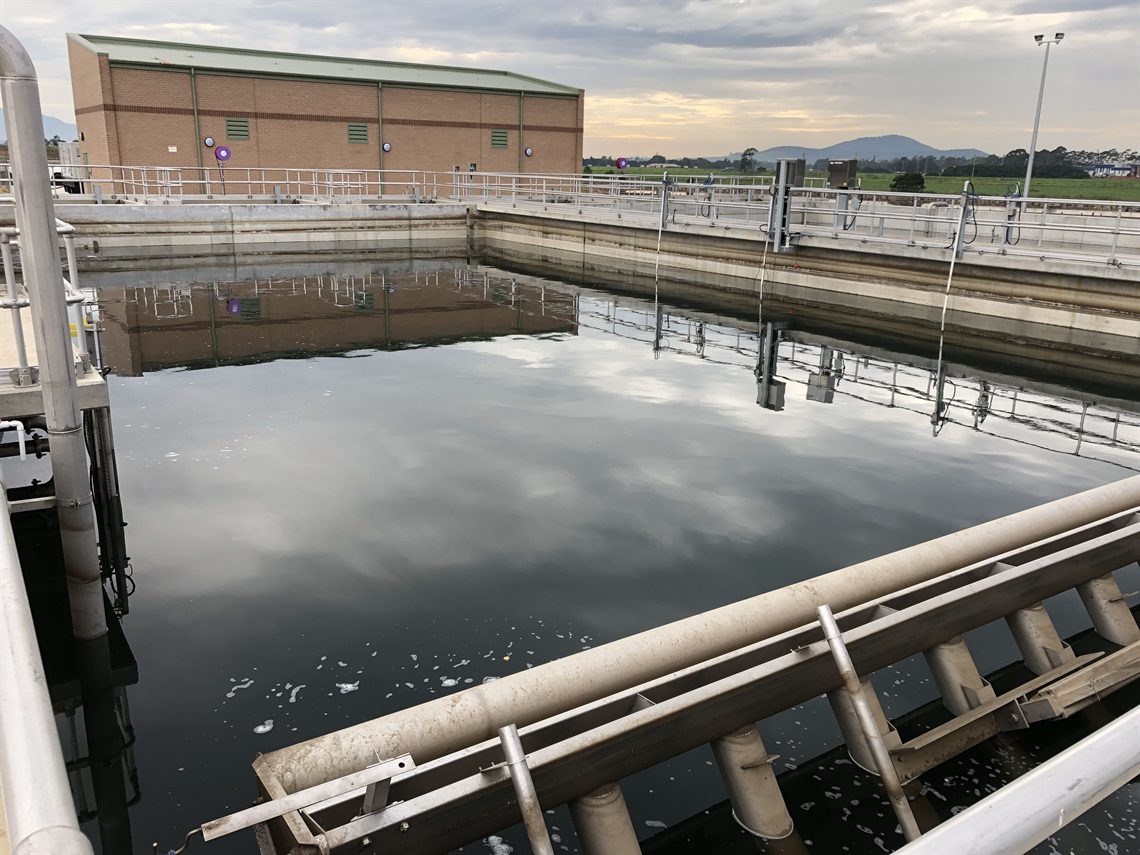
[865, 148]
[52, 127]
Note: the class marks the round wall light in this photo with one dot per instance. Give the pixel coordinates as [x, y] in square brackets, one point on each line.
[208, 142]
[529, 152]
[387, 146]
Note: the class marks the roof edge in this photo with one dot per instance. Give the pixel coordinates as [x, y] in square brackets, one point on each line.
[82, 41]
[88, 39]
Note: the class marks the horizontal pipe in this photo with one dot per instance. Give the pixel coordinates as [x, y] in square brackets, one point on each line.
[448, 724]
[37, 801]
[1024, 812]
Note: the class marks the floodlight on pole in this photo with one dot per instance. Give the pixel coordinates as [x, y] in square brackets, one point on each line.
[1041, 40]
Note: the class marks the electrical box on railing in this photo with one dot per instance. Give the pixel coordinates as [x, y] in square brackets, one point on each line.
[842, 174]
[797, 168]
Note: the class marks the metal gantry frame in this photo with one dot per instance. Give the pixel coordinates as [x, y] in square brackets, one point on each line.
[453, 798]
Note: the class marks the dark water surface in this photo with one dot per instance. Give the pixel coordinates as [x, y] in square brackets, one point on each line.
[348, 496]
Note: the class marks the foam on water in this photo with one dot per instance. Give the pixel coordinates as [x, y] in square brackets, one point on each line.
[245, 685]
[264, 728]
[345, 688]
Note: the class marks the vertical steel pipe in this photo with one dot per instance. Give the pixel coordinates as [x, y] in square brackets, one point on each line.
[847, 717]
[1037, 639]
[1109, 612]
[524, 791]
[954, 672]
[746, 767]
[39, 254]
[603, 824]
[868, 723]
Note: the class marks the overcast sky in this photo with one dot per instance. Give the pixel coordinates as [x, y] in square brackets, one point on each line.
[683, 77]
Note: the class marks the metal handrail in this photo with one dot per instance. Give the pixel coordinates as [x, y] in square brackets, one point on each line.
[1057, 229]
[37, 801]
[14, 298]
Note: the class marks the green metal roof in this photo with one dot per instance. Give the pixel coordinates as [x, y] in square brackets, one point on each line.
[262, 62]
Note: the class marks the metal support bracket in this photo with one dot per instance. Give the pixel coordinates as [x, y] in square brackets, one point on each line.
[1005, 712]
[302, 799]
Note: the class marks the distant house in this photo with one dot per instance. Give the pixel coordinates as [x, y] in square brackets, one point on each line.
[1114, 170]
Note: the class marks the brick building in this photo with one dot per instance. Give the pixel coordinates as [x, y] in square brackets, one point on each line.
[147, 103]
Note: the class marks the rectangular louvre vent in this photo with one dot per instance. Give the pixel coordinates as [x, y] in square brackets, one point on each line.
[237, 129]
[499, 138]
[358, 132]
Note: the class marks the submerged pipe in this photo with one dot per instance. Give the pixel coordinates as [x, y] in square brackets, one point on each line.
[39, 256]
[448, 724]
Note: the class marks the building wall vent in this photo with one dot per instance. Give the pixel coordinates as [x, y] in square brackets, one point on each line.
[237, 129]
[358, 132]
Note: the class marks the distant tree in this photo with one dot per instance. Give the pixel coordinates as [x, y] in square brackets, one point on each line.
[56, 140]
[657, 158]
[748, 160]
[909, 182]
[587, 170]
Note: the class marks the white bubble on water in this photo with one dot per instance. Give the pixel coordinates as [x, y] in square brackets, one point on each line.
[293, 694]
[345, 688]
[264, 728]
[248, 682]
[448, 682]
[498, 846]
[490, 679]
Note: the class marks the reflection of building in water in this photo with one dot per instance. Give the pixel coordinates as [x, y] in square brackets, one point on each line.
[154, 327]
[87, 684]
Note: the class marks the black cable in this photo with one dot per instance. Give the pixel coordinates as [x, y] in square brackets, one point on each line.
[971, 211]
[1012, 192]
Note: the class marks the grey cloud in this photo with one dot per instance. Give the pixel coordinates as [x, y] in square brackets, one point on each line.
[908, 67]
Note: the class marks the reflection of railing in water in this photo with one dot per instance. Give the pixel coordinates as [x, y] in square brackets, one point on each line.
[906, 385]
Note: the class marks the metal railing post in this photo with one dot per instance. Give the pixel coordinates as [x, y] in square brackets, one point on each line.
[870, 727]
[23, 373]
[524, 791]
[75, 300]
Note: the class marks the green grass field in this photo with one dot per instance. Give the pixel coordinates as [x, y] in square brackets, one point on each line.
[1107, 189]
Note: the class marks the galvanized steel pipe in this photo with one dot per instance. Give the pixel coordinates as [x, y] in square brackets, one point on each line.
[39, 256]
[524, 791]
[1024, 812]
[448, 724]
[867, 722]
[37, 800]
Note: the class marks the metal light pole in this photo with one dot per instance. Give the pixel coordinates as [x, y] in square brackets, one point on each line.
[1041, 40]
